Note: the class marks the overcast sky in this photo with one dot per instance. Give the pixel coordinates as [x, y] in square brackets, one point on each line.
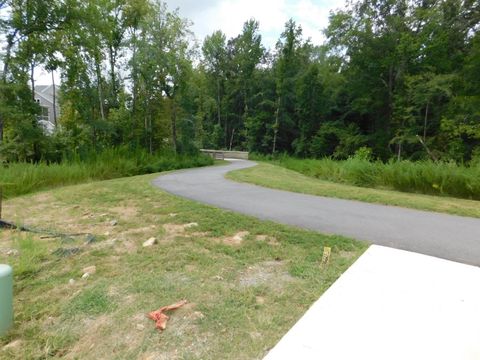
[229, 16]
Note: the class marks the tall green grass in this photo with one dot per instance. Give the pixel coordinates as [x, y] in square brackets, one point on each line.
[425, 177]
[23, 178]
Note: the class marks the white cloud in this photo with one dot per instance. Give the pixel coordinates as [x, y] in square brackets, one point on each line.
[229, 16]
[312, 18]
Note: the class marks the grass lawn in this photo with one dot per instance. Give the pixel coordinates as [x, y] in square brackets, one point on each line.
[244, 290]
[277, 177]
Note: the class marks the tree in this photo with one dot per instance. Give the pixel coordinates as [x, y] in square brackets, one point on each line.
[287, 69]
[214, 59]
[165, 63]
[245, 53]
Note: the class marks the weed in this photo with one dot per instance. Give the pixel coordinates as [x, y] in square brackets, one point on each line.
[23, 178]
[424, 177]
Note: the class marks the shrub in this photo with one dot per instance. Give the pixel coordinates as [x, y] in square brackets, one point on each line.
[424, 177]
[22, 178]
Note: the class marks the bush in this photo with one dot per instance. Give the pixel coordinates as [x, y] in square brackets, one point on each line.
[424, 177]
[22, 178]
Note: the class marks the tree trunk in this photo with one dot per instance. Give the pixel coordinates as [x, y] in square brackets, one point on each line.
[32, 80]
[113, 56]
[231, 139]
[391, 85]
[226, 132]
[174, 125]
[275, 127]
[94, 138]
[146, 106]
[6, 63]
[425, 124]
[134, 76]
[218, 101]
[54, 100]
[8, 55]
[150, 133]
[1, 129]
[99, 86]
[432, 155]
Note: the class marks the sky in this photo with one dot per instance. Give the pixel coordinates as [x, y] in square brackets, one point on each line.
[229, 15]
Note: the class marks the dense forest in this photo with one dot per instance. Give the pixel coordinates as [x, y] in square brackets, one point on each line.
[393, 80]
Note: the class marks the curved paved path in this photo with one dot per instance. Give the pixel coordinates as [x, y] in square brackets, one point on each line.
[446, 236]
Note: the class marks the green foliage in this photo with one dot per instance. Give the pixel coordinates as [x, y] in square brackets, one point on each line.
[425, 177]
[363, 153]
[400, 77]
[337, 140]
[23, 178]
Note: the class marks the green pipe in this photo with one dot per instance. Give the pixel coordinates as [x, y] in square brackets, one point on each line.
[6, 298]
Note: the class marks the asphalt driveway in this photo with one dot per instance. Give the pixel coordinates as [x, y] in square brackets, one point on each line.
[446, 236]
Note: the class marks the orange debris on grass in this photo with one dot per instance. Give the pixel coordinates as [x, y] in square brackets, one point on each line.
[160, 318]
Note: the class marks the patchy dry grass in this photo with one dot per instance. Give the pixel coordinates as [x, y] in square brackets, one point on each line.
[247, 281]
[277, 177]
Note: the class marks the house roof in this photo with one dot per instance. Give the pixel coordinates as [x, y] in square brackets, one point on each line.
[45, 93]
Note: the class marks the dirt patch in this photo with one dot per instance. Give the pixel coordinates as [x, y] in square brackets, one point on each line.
[127, 246]
[174, 230]
[97, 338]
[121, 245]
[200, 234]
[145, 230]
[261, 237]
[270, 240]
[160, 356]
[125, 212]
[269, 273]
[236, 239]
[260, 300]
[93, 332]
[190, 268]
[129, 240]
[6, 236]
[8, 252]
[55, 217]
[14, 346]
[42, 198]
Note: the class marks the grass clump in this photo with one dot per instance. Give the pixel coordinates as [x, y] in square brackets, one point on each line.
[23, 178]
[34, 253]
[423, 177]
[92, 301]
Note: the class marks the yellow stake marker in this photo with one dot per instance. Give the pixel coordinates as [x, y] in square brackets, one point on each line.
[326, 256]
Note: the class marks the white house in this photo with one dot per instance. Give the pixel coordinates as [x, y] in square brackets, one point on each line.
[44, 95]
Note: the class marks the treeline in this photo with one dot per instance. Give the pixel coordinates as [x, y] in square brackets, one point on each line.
[401, 78]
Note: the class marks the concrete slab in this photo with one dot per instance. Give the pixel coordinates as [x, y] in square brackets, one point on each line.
[391, 304]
